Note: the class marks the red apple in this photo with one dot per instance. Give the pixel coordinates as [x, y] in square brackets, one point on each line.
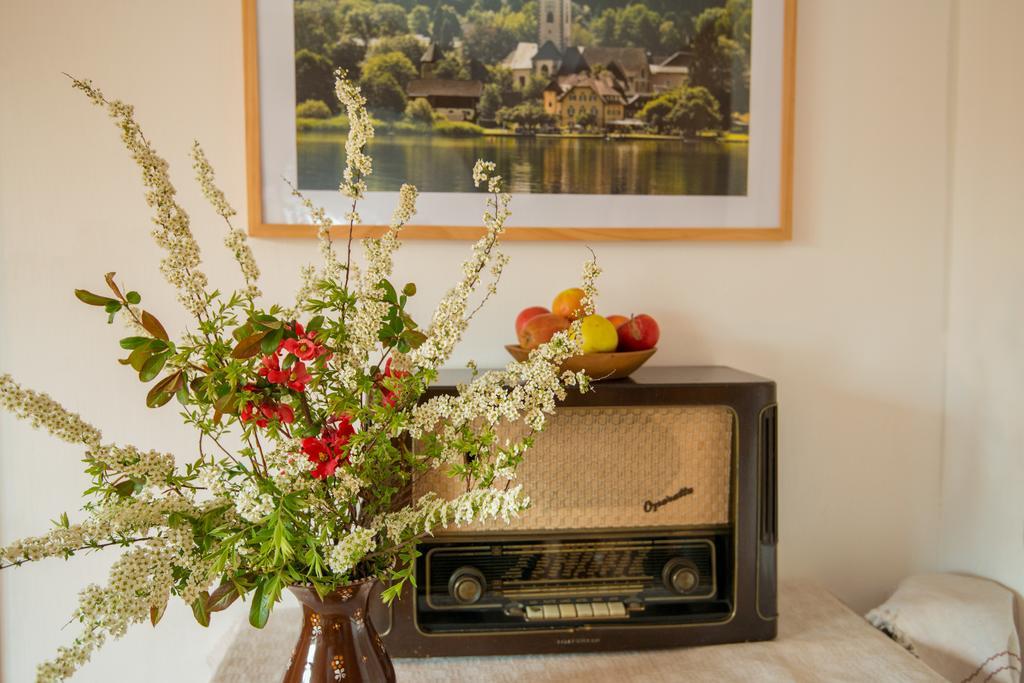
[525, 315]
[541, 328]
[639, 334]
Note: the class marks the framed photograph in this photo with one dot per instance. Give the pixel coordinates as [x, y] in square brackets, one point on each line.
[609, 119]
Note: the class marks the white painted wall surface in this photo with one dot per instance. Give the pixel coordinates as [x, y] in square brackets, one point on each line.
[983, 475]
[848, 318]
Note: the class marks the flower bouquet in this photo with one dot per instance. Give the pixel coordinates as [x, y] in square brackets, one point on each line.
[311, 422]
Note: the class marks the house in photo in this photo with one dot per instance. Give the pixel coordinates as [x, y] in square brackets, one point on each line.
[520, 63]
[580, 98]
[631, 62]
[454, 100]
[547, 61]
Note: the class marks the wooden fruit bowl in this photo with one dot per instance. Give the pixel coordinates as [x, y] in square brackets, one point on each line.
[598, 366]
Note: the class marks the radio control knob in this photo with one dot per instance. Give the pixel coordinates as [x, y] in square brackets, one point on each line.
[680, 576]
[466, 585]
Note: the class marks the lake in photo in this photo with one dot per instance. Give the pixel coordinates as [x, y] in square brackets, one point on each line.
[547, 165]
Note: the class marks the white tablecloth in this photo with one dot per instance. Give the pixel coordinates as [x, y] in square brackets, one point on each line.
[820, 639]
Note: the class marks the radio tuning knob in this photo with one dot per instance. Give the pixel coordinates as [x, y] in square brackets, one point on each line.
[681, 576]
[466, 585]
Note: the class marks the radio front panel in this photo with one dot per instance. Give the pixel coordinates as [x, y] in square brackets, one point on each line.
[620, 467]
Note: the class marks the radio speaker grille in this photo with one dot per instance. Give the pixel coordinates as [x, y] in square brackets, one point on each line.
[620, 467]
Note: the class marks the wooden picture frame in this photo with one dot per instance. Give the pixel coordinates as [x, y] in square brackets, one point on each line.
[260, 227]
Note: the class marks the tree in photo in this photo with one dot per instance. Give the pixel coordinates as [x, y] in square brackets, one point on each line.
[408, 45]
[313, 78]
[419, 20]
[318, 24]
[696, 110]
[490, 102]
[687, 111]
[527, 116]
[586, 119]
[721, 56]
[347, 55]
[312, 109]
[445, 27]
[534, 88]
[419, 111]
[384, 96]
[453, 67]
[489, 41]
[394, 64]
[361, 23]
[390, 19]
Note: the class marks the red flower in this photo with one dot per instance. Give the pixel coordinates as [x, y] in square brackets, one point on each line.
[303, 348]
[271, 369]
[388, 396]
[285, 414]
[329, 449]
[296, 377]
[246, 414]
[268, 410]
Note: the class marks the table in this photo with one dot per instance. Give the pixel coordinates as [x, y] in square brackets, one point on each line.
[820, 639]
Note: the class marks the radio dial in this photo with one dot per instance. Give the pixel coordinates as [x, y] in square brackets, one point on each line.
[681, 576]
[466, 586]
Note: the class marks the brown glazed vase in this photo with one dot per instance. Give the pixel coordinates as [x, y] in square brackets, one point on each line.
[338, 642]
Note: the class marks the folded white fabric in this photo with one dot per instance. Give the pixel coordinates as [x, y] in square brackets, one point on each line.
[963, 627]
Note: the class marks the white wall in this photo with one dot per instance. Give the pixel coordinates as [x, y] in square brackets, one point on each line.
[848, 317]
[983, 475]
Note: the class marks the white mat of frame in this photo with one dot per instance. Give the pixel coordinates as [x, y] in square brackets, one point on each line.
[820, 639]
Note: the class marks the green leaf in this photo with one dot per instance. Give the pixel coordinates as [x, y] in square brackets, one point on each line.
[157, 399]
[269, 343]
[316, 324]
[139, 356]
[199, 609]
[88, 297]
[125, 489]
[248, 347]
[409, 289]
[263, 600]
[112, 307]
[242, 332]
[153, 326]
[163, 390]
[389, 292]
[152, 367]
[133, 298]
[228, 403]
[131, 343]
[415, 338]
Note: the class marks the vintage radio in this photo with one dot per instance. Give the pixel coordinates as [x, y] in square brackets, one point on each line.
[653, 525]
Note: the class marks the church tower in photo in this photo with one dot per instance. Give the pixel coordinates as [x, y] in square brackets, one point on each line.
[555, 23]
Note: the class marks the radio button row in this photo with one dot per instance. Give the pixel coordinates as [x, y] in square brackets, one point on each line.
[581, 610]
